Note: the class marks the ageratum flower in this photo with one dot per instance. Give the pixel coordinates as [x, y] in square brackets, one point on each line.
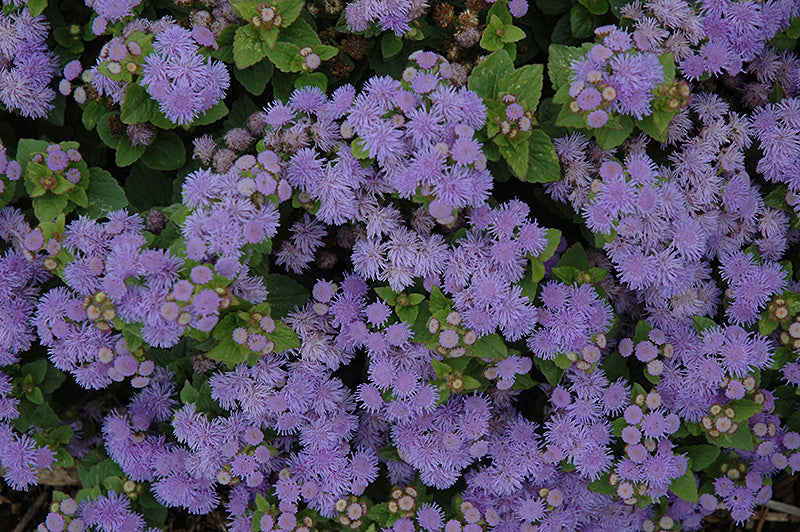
[26, 64]
[614, 77]
[180, 79]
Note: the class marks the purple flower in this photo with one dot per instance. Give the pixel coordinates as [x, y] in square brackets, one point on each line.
[183, 82]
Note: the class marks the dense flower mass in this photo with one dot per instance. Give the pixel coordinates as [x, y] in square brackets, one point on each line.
[27, 66]
[399, 266]
[614, 76]
[183, 82]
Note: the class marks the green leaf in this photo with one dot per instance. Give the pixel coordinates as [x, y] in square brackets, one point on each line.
[325, 51]
[741, 439]
[283, 55]
[490, 40]
[132, 333]
[229, 351]
[582, 22]
[526, 84]
[166, 152]
[391, 45]
[387, 294]
[62, 434]
[576, 257]
[511, 33]
[656, 124]
[642, 331]
[440, 368]
[301, 33]
[153, 512]
[289, 10]
[685, 487]
[701, 456]
[766, 325]
[562, 361]
[701, 323]
[284, 294]
[96, 467]
[745, 409]
[48, 207]
[27, 148]
[614, 132]
[566, 118]
[256, 77]
[615, 367]
[127, 153]
[516, 153]
[218, 111]
[559, 63]
[160, 120]
[602, 485]
[261, 503]
[565, 274]
[35, 396]
[543, 163]
[537, 274]
[358, 149]
[147, 188]
[553, 240]
[312, 79]
[284, 337]
[667, 61]
[595, 7]
[524, 382]
[269, 36]
[550, 371]
[470, 383]
[188, 393]
[407, 314]
[105, 194]
[379, 513]
[53, 378]
[389, 453]
[485, 77]
[137, 107]
[36, 369]
[36, 7]
[500, 10]
[488, 346]
[248, 47]
[104, 131]
[63, 458]
[246, 9]
[439, 302]
[416, 299]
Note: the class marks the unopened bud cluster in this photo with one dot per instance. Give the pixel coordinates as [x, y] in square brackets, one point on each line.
[719, 420]
[267, 17]
[673, 95]
[652, 351]
[517, 119]
[259, 178]
[403, 501]
[63, 515]
[122, 56]
[58, 170]
[590, 354]
[453, 339]
[256, 334]
[352, 512]
[100, 310]
[196, 302]
[664, 524]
